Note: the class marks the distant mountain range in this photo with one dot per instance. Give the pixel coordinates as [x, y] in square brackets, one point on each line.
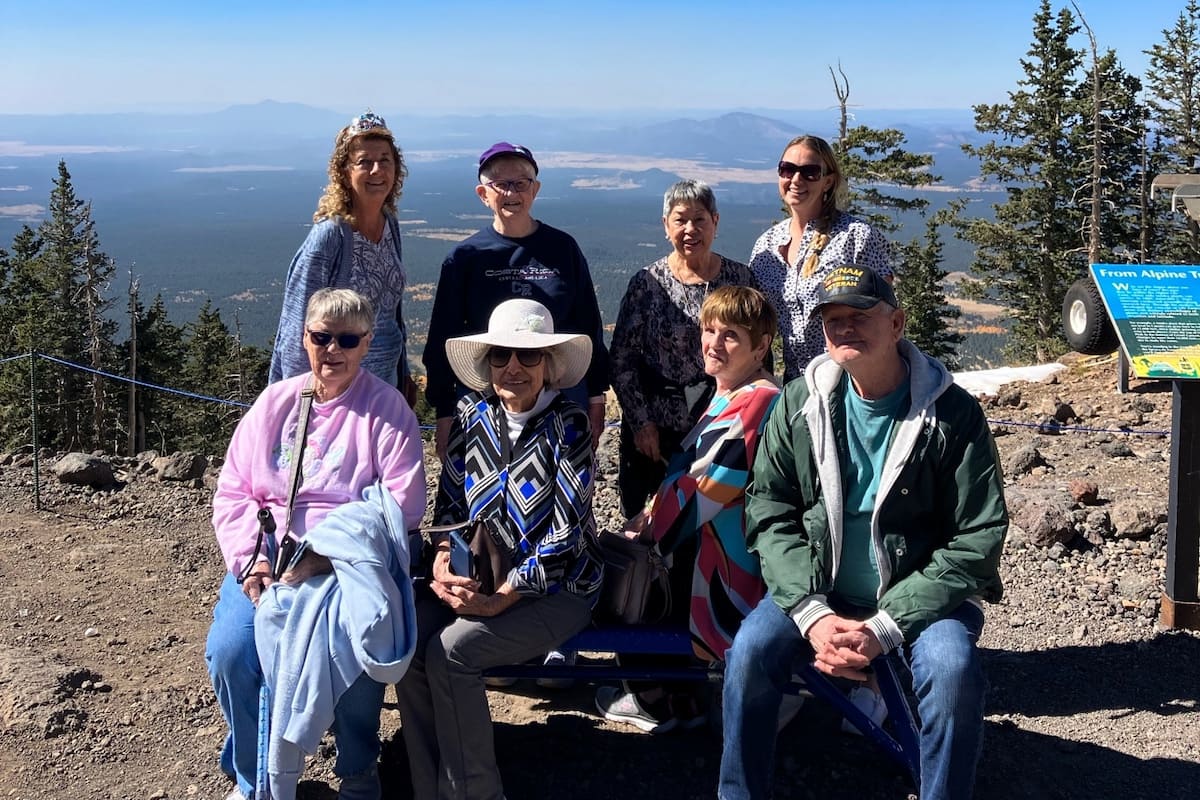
[214, 205]
[276, 132]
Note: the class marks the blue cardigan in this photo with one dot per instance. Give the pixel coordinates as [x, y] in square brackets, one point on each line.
[324, 260]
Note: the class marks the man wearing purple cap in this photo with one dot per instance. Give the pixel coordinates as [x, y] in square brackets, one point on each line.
[515, 256]
[877, 512]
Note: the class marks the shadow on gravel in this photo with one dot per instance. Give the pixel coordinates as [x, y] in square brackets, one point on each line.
[1160, 675]
[1020, 763]
[574, 753]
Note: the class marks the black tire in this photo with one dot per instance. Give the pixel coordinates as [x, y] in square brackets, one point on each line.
[1085, 320]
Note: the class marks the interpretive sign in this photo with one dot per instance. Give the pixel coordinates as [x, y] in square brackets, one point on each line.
[1155, 309]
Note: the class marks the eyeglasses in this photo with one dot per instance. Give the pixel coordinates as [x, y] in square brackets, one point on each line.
[365, 122]
[809, 172]
[516, 186]
[368, 164]
[499, 357]
[346, 341]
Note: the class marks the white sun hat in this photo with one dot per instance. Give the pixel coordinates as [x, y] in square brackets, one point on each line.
[522, 325]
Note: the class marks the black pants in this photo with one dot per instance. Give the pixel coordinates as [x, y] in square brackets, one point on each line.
[638, 477]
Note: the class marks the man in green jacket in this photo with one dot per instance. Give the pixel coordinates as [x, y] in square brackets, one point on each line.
[876, 508]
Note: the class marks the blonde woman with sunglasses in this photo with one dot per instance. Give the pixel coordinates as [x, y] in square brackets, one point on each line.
[792, 257]
[354, 243]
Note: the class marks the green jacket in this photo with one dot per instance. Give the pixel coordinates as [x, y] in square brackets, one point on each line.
[939, 521]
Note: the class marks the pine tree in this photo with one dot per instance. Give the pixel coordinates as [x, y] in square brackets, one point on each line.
[210, 368]
[1113, 138]
[54, 303]
[160, 352]
[19, 299]
[920, 289]
[871, 158]
[1173, 96]
[1032, 252]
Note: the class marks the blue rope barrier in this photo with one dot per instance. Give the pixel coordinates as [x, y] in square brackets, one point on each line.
[136, 382]
[1078, 428]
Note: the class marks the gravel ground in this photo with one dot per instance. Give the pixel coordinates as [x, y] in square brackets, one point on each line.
[106, 596]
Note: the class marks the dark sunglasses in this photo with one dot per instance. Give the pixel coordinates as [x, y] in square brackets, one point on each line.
[346, 341]
[809, 172]
[500, 356]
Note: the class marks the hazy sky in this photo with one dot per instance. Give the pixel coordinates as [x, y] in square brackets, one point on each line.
[474, 57]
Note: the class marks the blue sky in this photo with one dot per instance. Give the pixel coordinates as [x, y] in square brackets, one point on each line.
[476, 57]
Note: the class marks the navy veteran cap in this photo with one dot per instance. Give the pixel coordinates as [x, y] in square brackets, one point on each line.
[858, 287]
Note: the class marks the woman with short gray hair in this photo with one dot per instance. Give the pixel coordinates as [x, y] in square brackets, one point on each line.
[657, 372]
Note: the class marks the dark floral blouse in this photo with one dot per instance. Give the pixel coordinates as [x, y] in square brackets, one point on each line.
[657, 369]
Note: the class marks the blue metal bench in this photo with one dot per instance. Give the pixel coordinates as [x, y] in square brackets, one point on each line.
[902, 744]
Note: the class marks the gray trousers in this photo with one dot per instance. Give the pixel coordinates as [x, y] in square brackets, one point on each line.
[444, 713]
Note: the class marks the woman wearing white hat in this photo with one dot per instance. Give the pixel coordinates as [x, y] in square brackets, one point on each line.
[519, 457]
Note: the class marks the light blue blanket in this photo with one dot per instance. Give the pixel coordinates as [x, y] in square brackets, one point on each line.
[315, 639]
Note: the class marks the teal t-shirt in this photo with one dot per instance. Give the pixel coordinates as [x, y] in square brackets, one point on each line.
[869, 425]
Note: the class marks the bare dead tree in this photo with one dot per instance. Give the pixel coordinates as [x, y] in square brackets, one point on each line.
[135, 436]
[1093, 242]
[841, 88]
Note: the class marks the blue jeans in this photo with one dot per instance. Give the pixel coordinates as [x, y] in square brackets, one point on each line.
[948, 681]
[236, 678]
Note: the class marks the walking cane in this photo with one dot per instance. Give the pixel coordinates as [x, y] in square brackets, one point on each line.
[262, 783]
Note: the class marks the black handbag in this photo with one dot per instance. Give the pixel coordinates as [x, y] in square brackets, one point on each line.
[635, 588]
[490, 562]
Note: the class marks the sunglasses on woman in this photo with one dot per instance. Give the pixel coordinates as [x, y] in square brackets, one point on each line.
[809, 172]
[499, 357]
[346, 341]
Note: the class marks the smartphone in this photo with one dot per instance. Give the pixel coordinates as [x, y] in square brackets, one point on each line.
[461, 559]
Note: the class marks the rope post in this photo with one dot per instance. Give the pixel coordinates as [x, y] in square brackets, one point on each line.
[37, 485]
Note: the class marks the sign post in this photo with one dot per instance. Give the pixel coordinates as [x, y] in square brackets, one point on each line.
[1155, 309]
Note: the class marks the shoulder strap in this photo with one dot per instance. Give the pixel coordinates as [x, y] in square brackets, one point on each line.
[306, 401]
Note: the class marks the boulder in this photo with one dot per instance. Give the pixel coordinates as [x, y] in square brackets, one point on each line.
[1060, 411]
[82, 469]
[1132, 519]
[1084, 492]
[185, 466]
[1024, 461]
[1117, 449]
[1043, 516]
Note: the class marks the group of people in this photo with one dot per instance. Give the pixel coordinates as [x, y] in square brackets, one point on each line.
[854, 512]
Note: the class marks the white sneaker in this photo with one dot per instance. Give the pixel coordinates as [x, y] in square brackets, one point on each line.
[556, 658]
[870, 703]
[236, 794]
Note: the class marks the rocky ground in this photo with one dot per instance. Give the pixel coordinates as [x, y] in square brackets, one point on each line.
[105, 598]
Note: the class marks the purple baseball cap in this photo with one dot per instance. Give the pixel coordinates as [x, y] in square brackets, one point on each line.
[506, 149]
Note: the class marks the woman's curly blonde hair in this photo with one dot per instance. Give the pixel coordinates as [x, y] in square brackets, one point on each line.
[336, 201]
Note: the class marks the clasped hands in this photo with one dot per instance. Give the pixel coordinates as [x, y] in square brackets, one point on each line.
[843, 647]
[462, 594]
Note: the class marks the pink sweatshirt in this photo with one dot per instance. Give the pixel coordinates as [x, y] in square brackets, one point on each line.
[366, 434]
